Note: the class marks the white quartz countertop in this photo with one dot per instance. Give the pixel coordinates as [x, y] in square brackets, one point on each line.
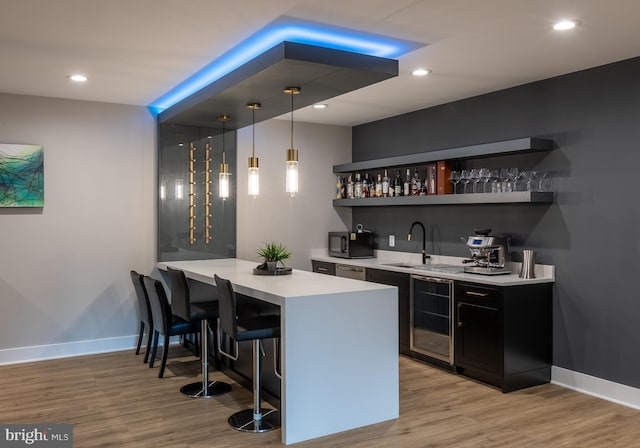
[543, 273]
[274, 289]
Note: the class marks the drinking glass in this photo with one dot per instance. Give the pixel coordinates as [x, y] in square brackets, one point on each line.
[473, 175]
[465, 178]
[454, 178]
[485, 177]
[541, 180]
[496, 184]
[505, 178]
[514, 175]
[531, 176]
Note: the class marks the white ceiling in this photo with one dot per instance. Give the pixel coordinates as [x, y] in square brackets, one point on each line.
[133, 51]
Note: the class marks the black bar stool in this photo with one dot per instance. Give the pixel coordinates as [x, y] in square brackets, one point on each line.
[194, 312]
[252, 329]
[144, 308]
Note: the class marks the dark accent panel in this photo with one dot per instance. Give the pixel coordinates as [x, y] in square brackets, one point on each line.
[173, 213]
[590, 232]
[321, 73]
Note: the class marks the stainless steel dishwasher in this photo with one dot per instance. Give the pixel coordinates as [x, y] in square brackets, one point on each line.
[430, 317]
[348, 271]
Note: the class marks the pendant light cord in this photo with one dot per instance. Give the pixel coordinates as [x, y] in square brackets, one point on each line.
[253, 130]
[223, 153]
[291, 119]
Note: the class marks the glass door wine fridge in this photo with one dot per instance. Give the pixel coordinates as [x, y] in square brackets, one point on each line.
[431, 323]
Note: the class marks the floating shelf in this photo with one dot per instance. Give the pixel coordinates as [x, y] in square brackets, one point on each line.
[528, 144]
[518, 197]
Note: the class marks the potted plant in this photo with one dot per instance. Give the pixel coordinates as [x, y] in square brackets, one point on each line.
[272, 254]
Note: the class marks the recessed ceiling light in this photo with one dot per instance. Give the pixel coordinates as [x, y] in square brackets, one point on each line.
[319, 106]
[77, 78]
[420, 72]
[564, 25]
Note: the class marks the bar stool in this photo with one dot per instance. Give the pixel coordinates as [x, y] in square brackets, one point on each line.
[144, 308]
[196, 312]
[164, 322]
[252, 329]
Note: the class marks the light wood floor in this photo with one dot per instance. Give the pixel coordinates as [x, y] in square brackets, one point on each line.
[113, 400]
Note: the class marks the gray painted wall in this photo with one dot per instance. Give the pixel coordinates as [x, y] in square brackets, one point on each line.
[64, 269]
[301, 223]
[590, 232]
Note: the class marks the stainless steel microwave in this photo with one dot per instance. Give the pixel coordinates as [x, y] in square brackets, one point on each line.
[351, 244]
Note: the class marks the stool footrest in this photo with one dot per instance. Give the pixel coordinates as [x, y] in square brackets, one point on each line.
[244, 421]
[195, 390]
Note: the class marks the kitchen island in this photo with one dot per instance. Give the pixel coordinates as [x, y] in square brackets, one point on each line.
[339, 345]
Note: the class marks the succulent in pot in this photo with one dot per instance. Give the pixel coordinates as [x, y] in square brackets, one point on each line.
[272, 254]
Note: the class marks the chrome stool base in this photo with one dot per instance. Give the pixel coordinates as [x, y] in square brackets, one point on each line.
[244, 421]
[196, 390]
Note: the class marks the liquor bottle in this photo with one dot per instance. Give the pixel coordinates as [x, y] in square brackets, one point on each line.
[349, 188]
[365, 186]
[385, 184]
[357, 188]
[407, 183]
[379, 186]
[416, 184]
[343, 192]
[338, 188]
[397, 186]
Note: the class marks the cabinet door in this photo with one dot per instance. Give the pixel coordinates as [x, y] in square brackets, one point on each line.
[478, 337]
[402, 282]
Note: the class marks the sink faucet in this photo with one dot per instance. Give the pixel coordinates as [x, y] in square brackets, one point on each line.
[424, 238]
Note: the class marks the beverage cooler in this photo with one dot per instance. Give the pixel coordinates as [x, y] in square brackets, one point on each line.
[431, 326]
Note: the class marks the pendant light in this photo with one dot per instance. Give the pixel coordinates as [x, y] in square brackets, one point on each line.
[224, 176]
[292, 154]
[254, 176]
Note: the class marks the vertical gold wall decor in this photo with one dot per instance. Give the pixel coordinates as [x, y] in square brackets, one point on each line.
[207, 194]
[192, 194]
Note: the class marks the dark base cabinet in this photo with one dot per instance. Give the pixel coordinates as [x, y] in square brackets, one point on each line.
[503, 334]
[402, 281]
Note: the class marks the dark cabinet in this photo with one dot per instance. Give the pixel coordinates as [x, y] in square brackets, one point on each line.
[402, 281]
[503, 334]
[323, 267]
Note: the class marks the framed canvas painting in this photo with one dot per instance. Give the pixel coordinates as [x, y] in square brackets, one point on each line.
[21, 175]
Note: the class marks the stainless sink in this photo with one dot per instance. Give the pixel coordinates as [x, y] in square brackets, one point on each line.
[398, 265]
[450, 268]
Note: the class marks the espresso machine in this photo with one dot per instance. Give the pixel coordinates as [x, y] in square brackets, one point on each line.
[489, 254]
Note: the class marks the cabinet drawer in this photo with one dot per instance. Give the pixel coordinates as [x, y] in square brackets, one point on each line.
[323, 267]
[471, 291]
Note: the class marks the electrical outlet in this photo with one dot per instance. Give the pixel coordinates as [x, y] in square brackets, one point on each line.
[392, 241]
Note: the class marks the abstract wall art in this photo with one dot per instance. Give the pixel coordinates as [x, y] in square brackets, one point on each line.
[21, 175]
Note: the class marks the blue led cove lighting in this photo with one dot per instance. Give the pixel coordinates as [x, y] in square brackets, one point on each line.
[279, 31]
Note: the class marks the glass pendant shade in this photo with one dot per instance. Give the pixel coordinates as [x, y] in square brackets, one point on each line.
[292, 172]
[254, 177]
[291, 178]
[223, 181]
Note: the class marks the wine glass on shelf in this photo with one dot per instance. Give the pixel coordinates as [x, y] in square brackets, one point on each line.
[485, 177]
[454, 178]
[475, 178]
[541, 180]
[505, 179]
[514, 175]
[465, 178]
[531, 176]
[496, 184]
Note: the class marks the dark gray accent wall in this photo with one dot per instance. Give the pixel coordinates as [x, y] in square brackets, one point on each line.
[590, 232]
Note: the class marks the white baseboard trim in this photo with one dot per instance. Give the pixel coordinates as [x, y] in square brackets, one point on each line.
[597, 387]
[69, 349]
